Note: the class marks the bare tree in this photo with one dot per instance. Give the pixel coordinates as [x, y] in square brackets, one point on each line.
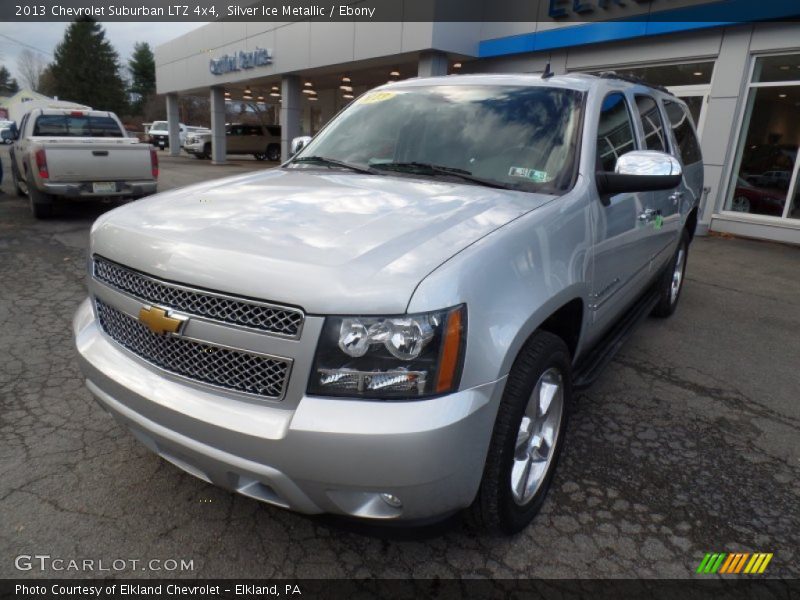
[31, 67]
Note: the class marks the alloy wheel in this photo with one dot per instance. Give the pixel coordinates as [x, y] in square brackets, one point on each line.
[537, 436]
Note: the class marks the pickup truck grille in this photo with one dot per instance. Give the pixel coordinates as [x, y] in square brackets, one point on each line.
[262, 316]
[207, 363]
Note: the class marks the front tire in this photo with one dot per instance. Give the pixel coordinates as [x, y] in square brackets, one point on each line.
[671, 282]
[527, 438]
[740, 204]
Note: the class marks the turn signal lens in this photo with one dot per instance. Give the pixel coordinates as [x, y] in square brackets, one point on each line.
[451, 349]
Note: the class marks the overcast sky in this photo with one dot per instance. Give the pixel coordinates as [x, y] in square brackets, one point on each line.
[42, 38]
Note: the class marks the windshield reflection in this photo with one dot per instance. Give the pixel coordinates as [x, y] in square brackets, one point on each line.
[522, 138]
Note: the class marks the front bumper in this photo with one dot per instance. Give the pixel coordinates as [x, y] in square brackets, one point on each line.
[83, 189]
[315, 455]
[198, 148]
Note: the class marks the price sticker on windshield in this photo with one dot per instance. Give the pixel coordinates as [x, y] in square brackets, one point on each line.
[375, 97]
[531, 174]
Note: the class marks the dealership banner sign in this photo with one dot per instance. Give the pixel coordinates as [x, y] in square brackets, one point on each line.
[556, 11]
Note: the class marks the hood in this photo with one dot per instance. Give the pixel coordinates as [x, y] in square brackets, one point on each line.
[331, 242]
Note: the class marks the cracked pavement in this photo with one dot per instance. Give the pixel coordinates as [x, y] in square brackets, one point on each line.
[688, 443]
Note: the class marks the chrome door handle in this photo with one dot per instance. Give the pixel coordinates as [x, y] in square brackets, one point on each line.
[648, 215]
[676, 197]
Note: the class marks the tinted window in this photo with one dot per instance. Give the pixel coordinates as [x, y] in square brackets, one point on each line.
[651, 123]
[615, 135]
[274, 130]
[76, 126]
[683, 132]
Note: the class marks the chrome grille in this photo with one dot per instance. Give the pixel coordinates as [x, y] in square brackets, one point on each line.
[215, 365]
[210, 305]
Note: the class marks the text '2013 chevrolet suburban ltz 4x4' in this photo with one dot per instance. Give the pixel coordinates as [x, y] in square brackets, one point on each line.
[392, 323]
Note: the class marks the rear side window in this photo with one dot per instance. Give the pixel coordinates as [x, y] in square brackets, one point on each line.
[615, 135]
[652, 124]
[76, 126]
[683, 132]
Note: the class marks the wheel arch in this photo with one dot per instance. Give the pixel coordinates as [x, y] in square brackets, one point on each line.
[691, 222]
[563, 316]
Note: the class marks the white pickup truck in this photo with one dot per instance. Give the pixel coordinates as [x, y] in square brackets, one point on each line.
[78, 155]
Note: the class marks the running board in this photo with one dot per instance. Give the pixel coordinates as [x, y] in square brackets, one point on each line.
[593, 363]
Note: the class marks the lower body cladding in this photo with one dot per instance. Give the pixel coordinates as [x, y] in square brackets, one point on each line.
[380, 460]
[90, 190]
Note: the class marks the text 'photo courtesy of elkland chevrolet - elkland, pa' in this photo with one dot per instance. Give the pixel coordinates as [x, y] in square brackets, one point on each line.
[390, 299]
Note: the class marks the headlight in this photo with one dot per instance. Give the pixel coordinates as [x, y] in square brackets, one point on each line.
[402, 357]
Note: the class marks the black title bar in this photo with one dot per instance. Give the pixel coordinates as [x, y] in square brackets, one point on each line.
[557, 11]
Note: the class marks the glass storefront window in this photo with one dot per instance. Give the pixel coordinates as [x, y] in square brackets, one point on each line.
[766, 162]
[672, 75]
[777, 68]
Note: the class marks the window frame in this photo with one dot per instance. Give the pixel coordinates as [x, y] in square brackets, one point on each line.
[731, 173]
[667, 146]
[636, 141]
[676, 147]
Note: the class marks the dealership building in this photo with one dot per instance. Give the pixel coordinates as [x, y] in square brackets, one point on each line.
[736, 63]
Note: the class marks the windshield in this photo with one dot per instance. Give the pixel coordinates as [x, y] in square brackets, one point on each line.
[517, 137]
[158, 125]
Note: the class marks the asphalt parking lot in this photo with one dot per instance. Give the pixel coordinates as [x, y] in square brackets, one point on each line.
[689, 442]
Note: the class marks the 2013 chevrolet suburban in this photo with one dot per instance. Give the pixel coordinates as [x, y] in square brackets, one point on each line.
[391, 324]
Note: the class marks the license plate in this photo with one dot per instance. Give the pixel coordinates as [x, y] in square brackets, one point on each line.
[104, 187]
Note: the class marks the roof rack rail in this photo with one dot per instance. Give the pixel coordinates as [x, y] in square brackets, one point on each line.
[632, 79]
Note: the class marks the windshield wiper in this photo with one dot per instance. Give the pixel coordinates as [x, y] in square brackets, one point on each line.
[431, 169]
[333, 162]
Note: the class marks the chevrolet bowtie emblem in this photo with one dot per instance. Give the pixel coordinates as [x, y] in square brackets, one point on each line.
[158, 322]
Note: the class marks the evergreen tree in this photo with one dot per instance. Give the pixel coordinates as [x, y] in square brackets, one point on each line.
[8, 85]
[142, 67]
[86, 68]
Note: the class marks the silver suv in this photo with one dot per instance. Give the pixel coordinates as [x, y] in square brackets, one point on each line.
[392, 324]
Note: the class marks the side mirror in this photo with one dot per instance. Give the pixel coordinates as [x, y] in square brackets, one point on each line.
[299, 143]
[641, 171]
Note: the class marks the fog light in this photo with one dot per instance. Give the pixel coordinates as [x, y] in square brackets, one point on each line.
[391, 500]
